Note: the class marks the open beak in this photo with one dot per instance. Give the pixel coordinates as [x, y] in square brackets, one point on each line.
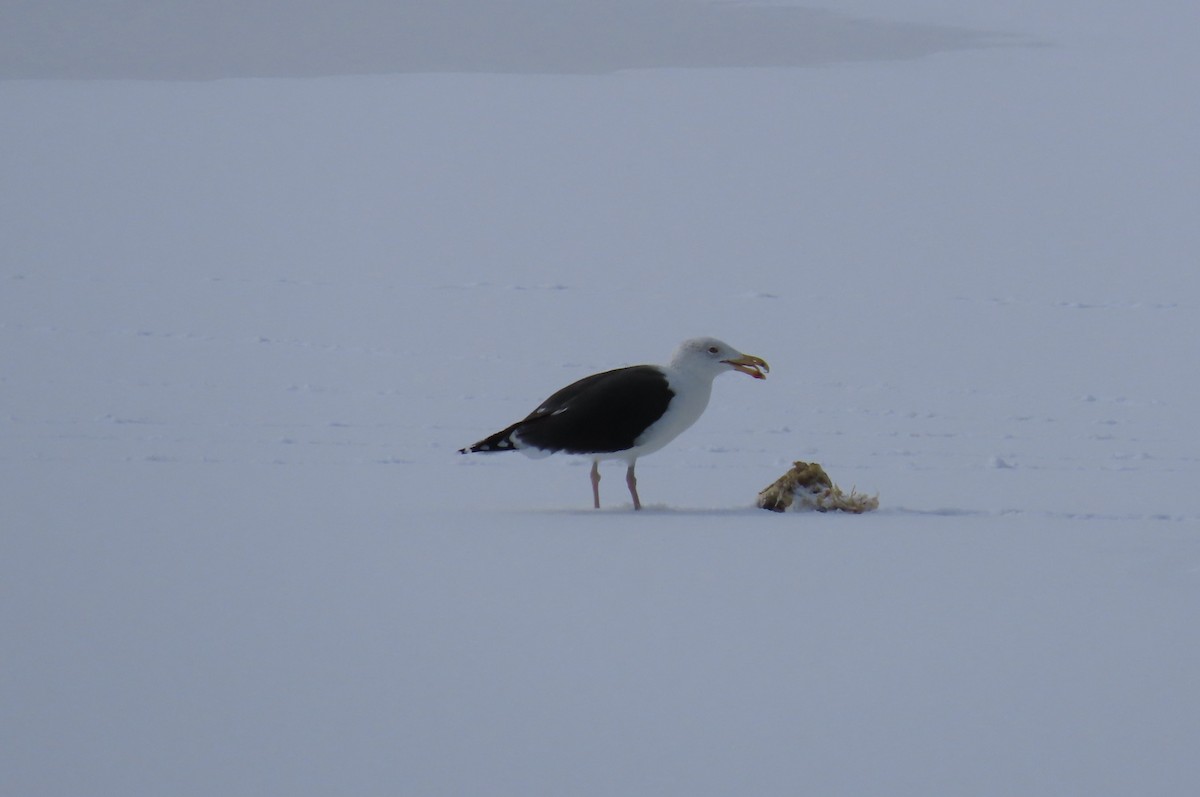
[749, 364]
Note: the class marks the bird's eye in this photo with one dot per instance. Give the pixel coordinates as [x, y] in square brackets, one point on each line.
[713, 350]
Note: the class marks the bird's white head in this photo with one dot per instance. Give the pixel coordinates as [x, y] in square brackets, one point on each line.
[710, 357]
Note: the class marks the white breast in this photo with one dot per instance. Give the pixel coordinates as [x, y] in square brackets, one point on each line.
[687, 405]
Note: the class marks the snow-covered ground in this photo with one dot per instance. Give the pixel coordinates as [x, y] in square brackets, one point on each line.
[246, 323]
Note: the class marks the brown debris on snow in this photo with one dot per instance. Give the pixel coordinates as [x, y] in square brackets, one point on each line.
[808, 487]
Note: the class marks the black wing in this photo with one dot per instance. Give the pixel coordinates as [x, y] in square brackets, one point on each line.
[601, 413]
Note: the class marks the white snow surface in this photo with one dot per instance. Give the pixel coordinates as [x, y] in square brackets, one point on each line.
[245, 324]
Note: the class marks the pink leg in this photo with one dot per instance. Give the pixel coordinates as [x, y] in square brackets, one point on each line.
[631, 480]
[596, 485]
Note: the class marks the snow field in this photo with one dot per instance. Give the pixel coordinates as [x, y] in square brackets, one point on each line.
[245, 324]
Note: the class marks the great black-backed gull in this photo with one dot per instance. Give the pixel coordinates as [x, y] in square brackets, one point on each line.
[625, 413]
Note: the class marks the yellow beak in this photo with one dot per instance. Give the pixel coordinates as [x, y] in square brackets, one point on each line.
[749, 364]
